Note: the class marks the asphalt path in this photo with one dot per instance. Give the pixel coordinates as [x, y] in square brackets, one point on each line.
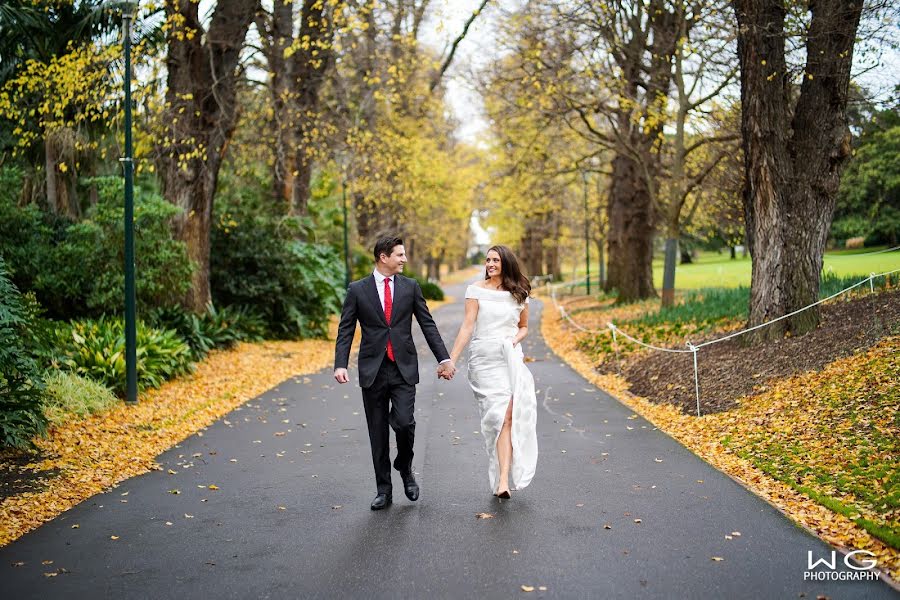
[617, 509]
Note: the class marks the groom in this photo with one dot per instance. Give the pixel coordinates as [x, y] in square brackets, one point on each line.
[384, 304]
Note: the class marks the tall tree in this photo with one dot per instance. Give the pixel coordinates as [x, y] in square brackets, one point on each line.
[45, 48]
[698, 143]
[298, 66]
[199, 120]
[795, 147]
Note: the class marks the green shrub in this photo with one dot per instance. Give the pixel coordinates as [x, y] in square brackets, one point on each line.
[88, 270]
[236, 324]
[26, 233]
[850, 227]
[68, 395]
[213, 329]
[77, 269]
[96, 349]
[257, 262]
[430, 290]
[21, 417]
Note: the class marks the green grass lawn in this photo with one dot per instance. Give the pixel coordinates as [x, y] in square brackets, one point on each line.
[718, 270]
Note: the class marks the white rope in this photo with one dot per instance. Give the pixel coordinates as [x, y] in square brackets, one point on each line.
[640, 343]
[565, 315]
[871, 253]
[613, 328]
[800, 310]
[693, 349]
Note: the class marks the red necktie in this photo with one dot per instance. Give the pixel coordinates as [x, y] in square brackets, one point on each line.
[388, 306]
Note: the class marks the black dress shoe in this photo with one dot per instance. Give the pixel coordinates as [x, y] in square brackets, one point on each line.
[410, 487]
[381, 501]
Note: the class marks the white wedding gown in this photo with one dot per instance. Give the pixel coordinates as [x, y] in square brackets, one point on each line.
[497, 372]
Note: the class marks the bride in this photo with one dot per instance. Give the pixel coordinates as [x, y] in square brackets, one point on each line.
[496, 321]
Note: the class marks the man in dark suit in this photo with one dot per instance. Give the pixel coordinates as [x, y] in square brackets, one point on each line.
[384, 304]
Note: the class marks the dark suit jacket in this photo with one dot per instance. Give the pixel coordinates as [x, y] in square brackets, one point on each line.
[363, 304]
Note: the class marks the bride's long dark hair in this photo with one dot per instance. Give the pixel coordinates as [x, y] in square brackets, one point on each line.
[511, 277]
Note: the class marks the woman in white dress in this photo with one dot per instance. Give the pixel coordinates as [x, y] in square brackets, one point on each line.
[496, 321]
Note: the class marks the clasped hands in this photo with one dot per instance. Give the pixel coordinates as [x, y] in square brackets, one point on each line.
[446, 370]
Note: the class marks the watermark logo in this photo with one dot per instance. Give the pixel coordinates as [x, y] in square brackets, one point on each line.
[860, 569]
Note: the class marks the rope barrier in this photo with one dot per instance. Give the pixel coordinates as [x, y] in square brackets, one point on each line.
[645, 345]
[694, 348]
[870, 278]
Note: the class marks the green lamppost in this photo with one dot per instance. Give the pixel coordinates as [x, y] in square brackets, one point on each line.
[346, 238]
[128, 11]
[587, 238]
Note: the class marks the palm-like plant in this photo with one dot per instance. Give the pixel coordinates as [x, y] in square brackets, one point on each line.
[44, 31]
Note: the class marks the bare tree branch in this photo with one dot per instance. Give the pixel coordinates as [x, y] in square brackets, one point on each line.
[440, 73]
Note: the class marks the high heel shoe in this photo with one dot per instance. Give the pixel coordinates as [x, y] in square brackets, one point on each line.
[504, 494]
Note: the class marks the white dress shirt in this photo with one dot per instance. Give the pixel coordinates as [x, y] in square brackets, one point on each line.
[379, 285]
[379, 281]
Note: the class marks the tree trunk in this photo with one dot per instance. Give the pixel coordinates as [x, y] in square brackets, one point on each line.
[201, 88]
[668, 291]
[309, 64]
[59, 150]
[792, 164]
[636, 165]
[50, 162]
[531, 253]
[631, 223]
[601, 260]
[551, 252]
[282, 34]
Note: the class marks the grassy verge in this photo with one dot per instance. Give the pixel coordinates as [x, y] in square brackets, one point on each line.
[720, 270]
[696, 313]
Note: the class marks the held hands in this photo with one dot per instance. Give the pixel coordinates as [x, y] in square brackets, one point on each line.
[446, 370]
[341, 376]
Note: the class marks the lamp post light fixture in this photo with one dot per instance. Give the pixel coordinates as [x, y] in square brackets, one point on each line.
[129, 9]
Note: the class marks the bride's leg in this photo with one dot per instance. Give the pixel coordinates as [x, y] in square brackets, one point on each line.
[504, 449]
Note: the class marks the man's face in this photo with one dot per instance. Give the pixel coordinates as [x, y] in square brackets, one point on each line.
[393, 264]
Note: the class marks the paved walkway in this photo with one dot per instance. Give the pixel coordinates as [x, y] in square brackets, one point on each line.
[291, 518]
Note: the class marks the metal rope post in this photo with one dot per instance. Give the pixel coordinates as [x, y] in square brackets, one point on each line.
[872, 282]
[693, 349]
[616, 347]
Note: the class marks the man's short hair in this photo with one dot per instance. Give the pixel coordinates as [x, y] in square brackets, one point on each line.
[385, 245]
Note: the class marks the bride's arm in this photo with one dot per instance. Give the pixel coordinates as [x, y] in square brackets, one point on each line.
[523, 326]
[465, 332]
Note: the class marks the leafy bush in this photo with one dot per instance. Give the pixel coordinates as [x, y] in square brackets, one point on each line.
[21, 417]
[850, 227]
[68, 394]
[96, 349]
[430, 290]
[213, 329]
[88, 263]
[77, 269]
[257, 262]
[22, 233]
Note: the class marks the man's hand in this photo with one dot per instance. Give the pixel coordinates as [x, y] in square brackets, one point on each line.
[341, 375]
[446, 370]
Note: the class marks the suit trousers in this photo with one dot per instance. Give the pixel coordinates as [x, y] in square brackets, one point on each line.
[390, 401]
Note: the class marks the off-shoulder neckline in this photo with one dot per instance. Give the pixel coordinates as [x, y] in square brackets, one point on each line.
[478, 287]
